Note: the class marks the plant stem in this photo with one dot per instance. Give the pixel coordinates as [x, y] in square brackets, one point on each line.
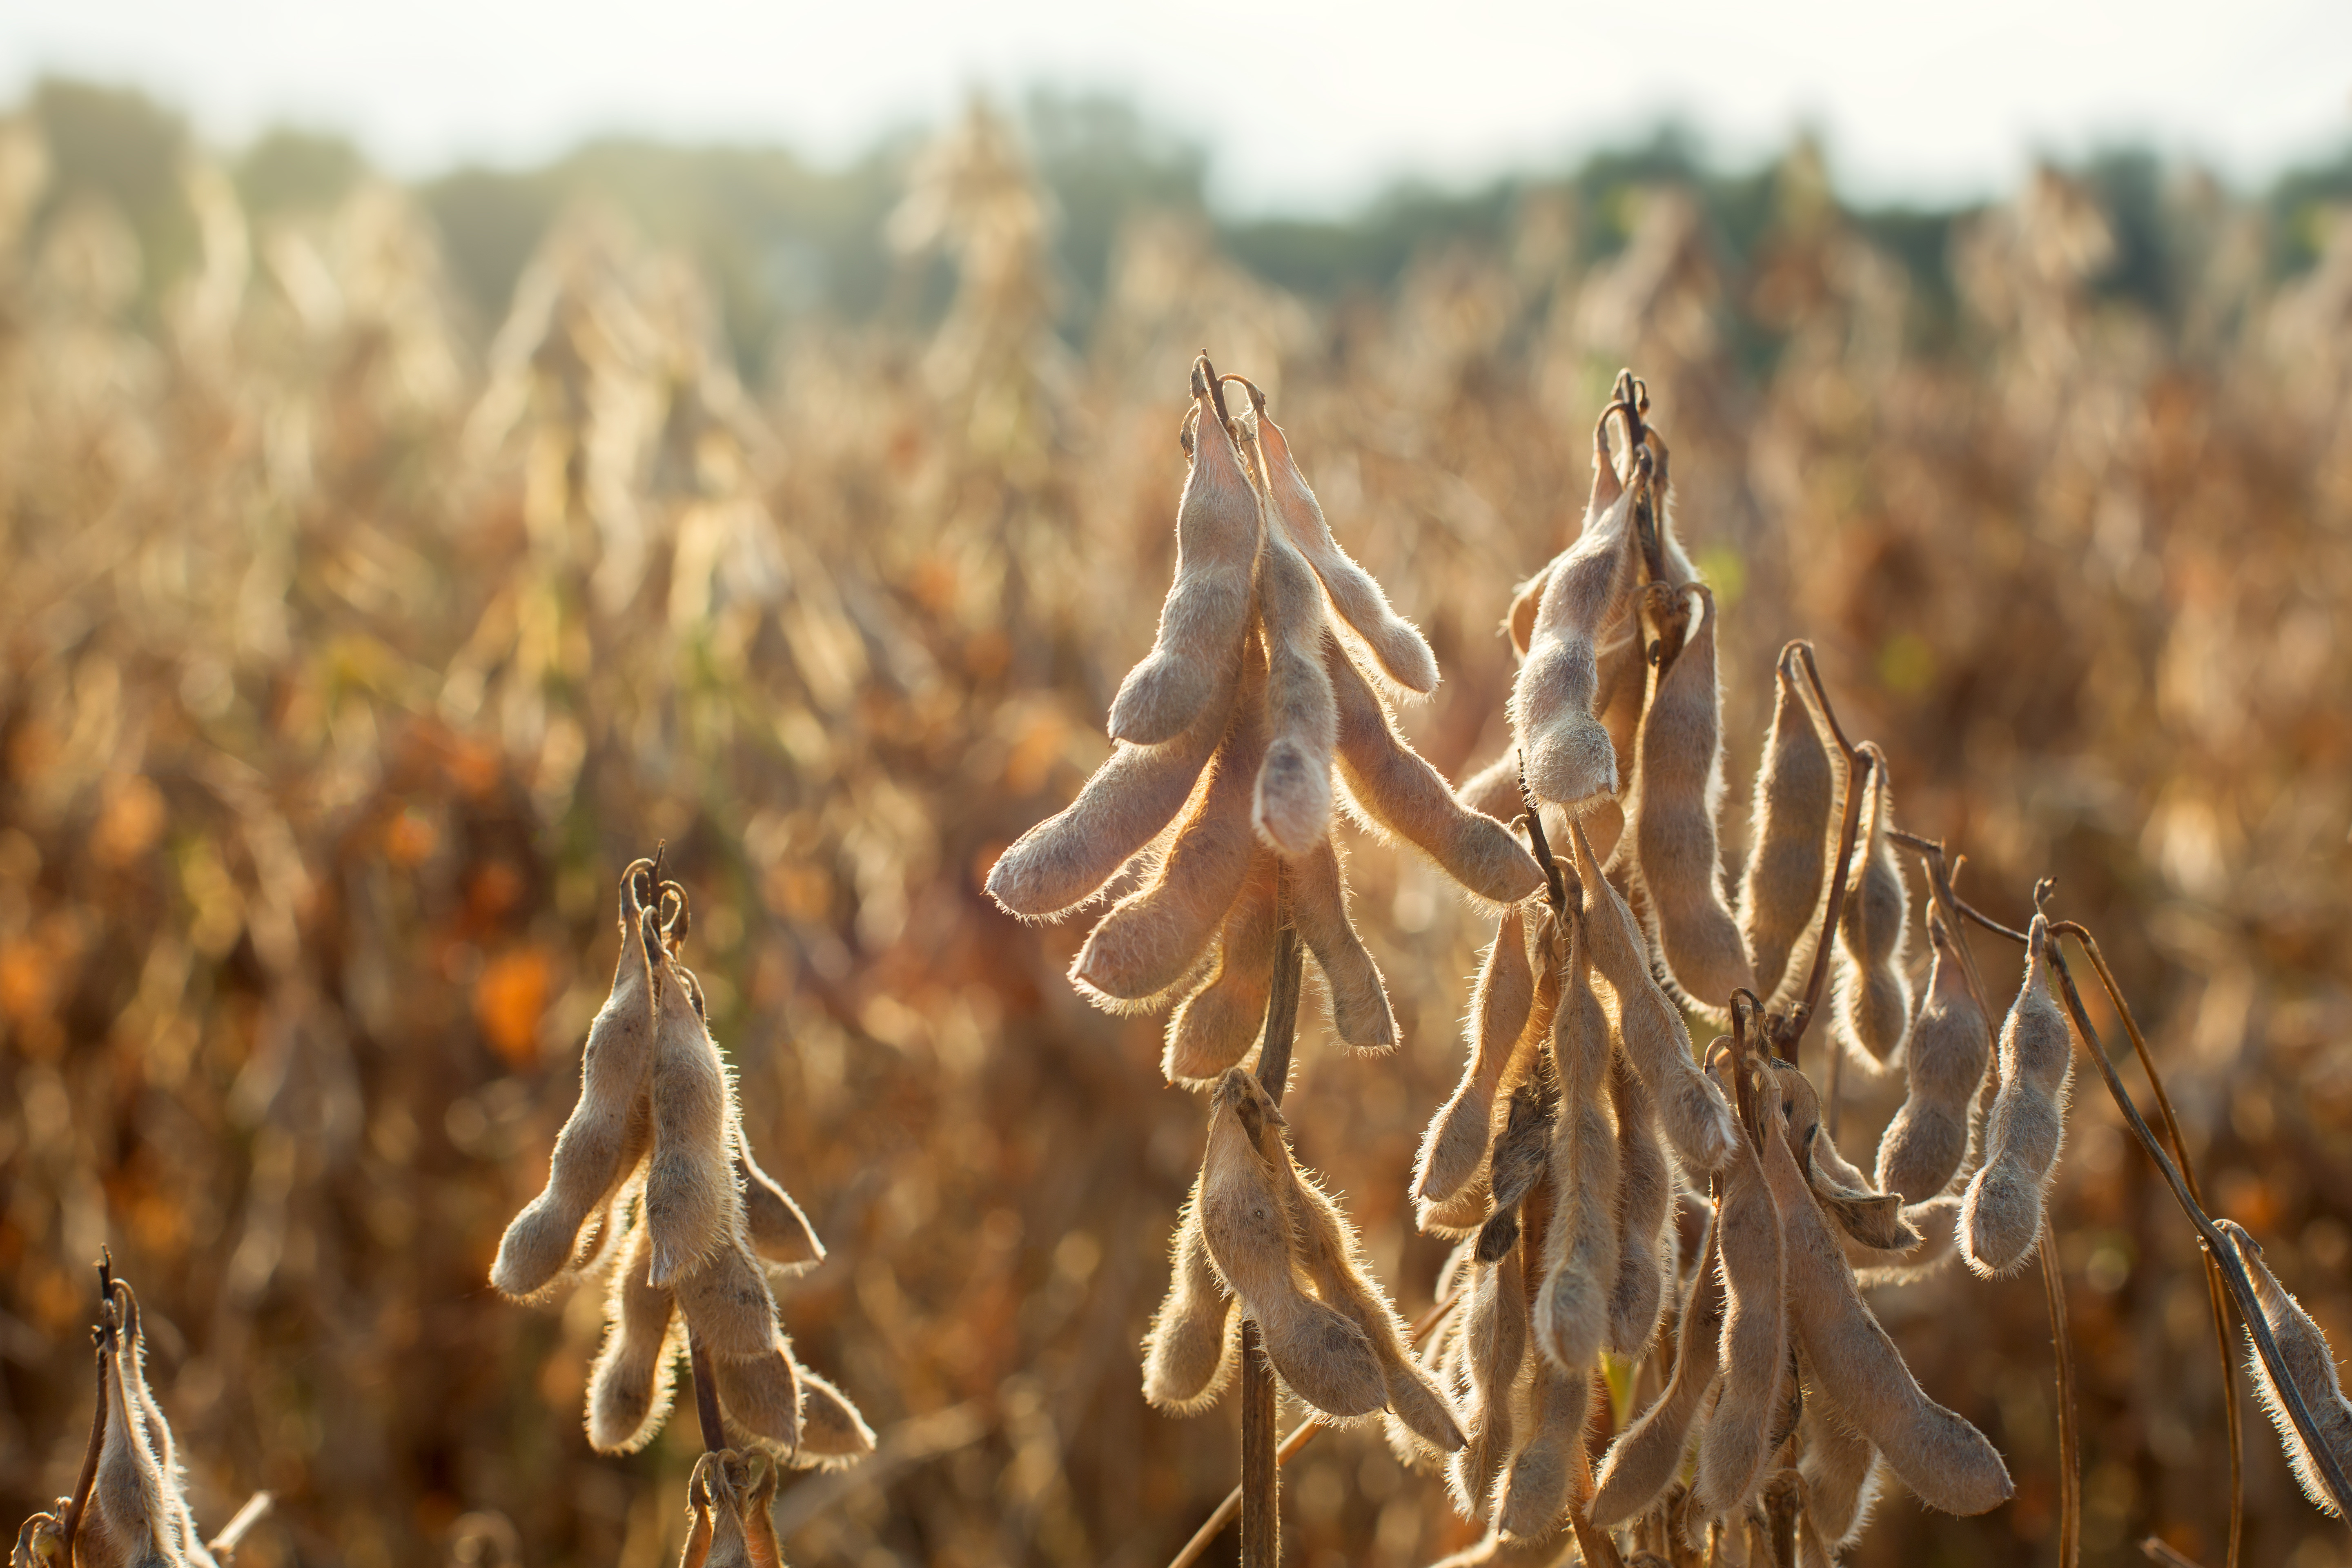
[1261, 1488]
[706, 1391]
[2070, 1437]
[71, 1526]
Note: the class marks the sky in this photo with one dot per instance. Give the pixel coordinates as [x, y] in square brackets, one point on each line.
[1310, 106]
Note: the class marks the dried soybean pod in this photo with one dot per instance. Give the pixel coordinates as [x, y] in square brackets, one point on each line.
[1950, 1045]
[1215, 1028]
[1396, 792]
[1323, 1355]
[588, 1166]
[762, 1393]
[1494, 1347]
[630, 1386]
[1522, 1155]
[1691, 1108]
[1734, 1443]
[1065, 859]
[1191, 1351]
[691, 1205]
[1647, 1454]
[2310, 1364]
[2001, 1215]
[1202, 625]
[1871, 994]
[833, 1432]
[134, 1515]
[1460, 1132]
[1569, 755]
[1931, 1242]
[1326, 1246]
[1155, 935]
[1670, 820]
[1292, 807]
[1519, 621]
[720, 1494]
[1351, 981]
[1396, 642]
[1935, 1452]
[1534, 1489]
[701, 1508]
[1579, 1259]
[780, 1233]
[1645, 1180]
[1841, 1470]
[1494, 790]
[727, 1301]
[179, 1521]
[1781, 891]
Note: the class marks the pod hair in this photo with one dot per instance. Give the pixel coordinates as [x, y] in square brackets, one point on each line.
[2310, 1365]
[1191, 1351]
[1950, 1047]
[1872, 995]
[1568, 752]
[1460, 1132]
[1780, 889]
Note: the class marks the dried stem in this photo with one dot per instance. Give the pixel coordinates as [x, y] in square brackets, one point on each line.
[1300, 1436]
[706, 1391]
[1261, 1488]
[2156, 1551]
[2213, 1286]
[102, 1338]
[224, 1545]
[2070, 1437]
[1555, 875]
[2217, 1246]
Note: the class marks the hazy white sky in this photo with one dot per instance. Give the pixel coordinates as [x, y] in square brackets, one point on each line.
[1309, 104]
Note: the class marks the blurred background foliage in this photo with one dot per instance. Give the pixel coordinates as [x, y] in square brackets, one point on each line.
[385, 567]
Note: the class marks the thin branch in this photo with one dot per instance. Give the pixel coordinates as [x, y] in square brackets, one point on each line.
[2213, 1287]
[2070, 1437]
[1555, 875]
[1261, 1488]
[2242, 1289]
[1300, 1436]
[706, 1391]
[103, 1337]
[224, 1545]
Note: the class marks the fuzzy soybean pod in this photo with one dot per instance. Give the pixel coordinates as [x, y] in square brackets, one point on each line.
[630, 1386]
[1780, 891]
[1691, 1108]
[1494, 790]
[780, 1233]
[593, 1154]
[1351, 981]
[1933, 1228]
[1463, 1128]
[1322, 1353]
[1397, 793]
[2001, 1218]
[691, 1206]
[1671, 810]
[1327, 1247]
[1190, 1352]
[1534, 1493]
[1395, 642]
[1872, 997]
[1569, 755]
[1207, 611]
[1065, 859]
[728, 1497]
[1494, 1348]
[1932, 1450]
[1734, 1441]
[1841, 1471]
[2310, 1365]
[1950, 1045]
[1647, 1454]
[1579, 1259]
[1215, 1027]
[137, 1517]
[761, 1394]
[834, 1433]
[1292, 807]
[1646, 1179]
[1153, 937]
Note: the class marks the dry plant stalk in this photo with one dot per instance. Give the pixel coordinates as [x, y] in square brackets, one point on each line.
[690, 1229]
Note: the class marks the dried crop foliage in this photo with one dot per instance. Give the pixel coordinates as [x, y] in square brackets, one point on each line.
[346, 650]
